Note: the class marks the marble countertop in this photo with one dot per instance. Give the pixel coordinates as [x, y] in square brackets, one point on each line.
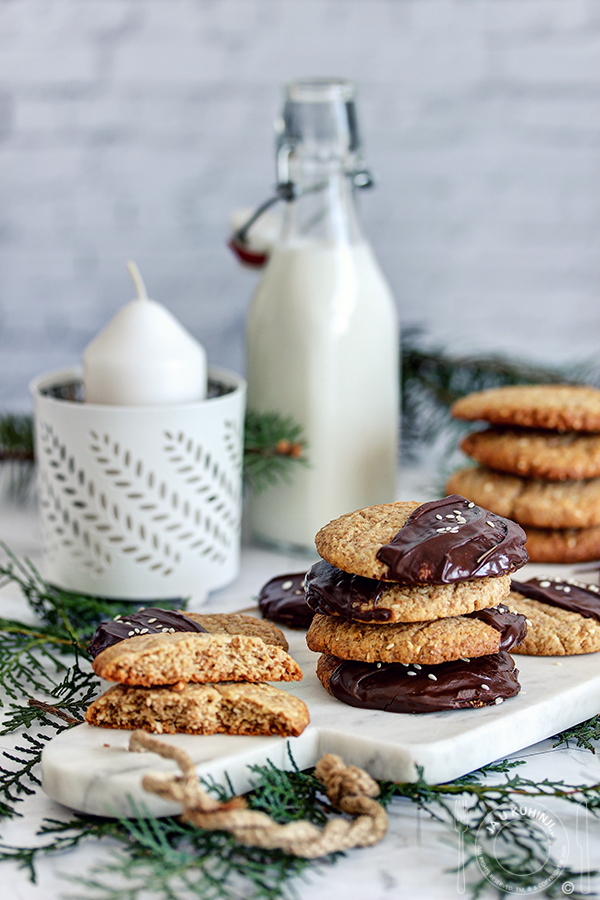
[416, 859]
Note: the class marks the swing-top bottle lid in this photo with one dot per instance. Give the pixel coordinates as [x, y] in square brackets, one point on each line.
[319, 118]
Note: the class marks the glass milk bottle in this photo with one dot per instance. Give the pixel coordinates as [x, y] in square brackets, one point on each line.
[323, 335]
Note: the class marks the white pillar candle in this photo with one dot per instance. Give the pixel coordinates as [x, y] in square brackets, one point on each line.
[144, 357]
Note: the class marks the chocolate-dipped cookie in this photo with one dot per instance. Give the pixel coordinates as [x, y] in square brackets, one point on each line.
[167, 621]
[440, 542]
[282, 600]
[332, 592]
[428, 643]
[563, 616]
[146, 621]
[485, 681]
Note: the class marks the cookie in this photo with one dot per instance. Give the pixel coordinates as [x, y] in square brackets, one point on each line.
[428, 643]
[145, 621]
[563, 545]
[439, 542]
[550, 406]
[552, 631]
[164, 621]
[336, 593]
[238, 623]
[200, 709]
[553, 504]
[536, 454]
[564, 616]
[485, 681]
[156, 659]
[282, 600]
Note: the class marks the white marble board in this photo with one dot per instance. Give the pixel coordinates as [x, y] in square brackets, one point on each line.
[90, 770]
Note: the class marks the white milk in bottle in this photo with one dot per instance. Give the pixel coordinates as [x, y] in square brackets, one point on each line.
[322, 337]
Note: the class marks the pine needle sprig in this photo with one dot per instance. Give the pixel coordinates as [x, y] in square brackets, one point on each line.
[585, 735]
[27, 663]
[433, 378]
[518, 859]
[22, 780]
[164, 858]
[16, 437]
[16, 455]
[68, 616]
[289, 796]
[75, 693]
[273, 448]
[514, 785]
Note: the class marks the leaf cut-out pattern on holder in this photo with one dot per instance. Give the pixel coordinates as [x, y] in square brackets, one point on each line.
[71, 519]
[190, 506]
[134, 506]
[210, 513]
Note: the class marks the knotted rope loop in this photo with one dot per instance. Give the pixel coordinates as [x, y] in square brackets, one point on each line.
[348, 788]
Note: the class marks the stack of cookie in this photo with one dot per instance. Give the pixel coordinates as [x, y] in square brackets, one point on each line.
[406, 597]
[539, 464]
[199, 674]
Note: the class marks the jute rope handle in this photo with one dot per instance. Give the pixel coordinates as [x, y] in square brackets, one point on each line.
[349, 789]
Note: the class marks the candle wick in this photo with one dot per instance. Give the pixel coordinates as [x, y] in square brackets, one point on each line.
[137, 280]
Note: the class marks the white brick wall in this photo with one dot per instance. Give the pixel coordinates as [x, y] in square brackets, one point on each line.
[131, 128]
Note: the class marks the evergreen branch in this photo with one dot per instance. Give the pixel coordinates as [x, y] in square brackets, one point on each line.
[273, 448]
[17, 782]
[69, 618]
[499, 839]
[16, 455]
[432, 379]
[75, 692]
[40, 706]
[16, 437]
[583, 734]
[289, 796]
[27, 663]
[165, 857]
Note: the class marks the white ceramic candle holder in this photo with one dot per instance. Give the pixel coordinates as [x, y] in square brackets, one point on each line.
[139, 503]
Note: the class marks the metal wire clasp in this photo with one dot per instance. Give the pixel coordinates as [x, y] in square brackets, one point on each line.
[287, 191]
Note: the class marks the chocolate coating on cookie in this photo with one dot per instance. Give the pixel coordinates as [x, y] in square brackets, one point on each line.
[146, 621]
[453, 540]
[512, 626]
[282, 600]
[407, 689]
[574, 596]
[333, 592]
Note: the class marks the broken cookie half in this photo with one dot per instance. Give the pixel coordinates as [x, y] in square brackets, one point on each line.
[204, 676]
